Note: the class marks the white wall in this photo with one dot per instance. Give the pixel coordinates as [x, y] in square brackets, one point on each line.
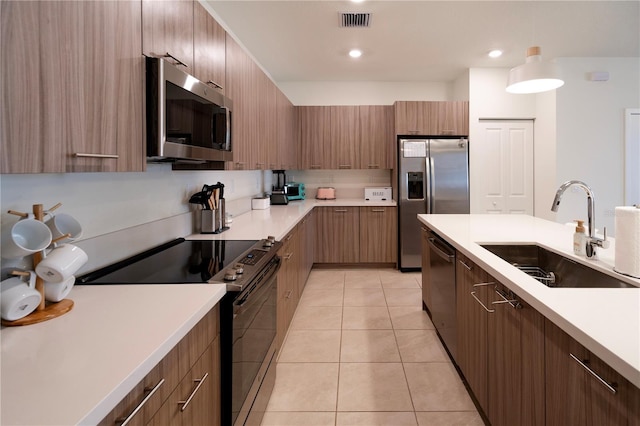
[590, 133]
[108, 202]
[363, 92]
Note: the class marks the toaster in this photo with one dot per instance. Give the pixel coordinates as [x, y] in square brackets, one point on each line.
[326, 194]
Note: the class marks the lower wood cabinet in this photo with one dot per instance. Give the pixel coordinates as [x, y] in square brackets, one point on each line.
[378, 230]
[500, 348]
[191, 368]
[581, 389]
[337, 235]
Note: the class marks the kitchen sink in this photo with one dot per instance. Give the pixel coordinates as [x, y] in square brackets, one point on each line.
[552, 269]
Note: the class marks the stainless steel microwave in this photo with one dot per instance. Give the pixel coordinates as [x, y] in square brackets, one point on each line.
[186, 119]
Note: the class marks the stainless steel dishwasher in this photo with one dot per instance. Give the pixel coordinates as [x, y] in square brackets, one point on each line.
[442, 273]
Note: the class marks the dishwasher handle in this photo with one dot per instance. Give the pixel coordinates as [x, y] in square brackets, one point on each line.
[443, 251]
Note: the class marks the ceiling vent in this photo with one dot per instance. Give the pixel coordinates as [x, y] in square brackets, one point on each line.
[355, 20]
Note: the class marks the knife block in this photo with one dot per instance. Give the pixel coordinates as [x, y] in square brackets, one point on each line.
[212, 221]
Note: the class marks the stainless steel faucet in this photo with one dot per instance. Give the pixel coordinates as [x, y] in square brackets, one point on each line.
[592, 241]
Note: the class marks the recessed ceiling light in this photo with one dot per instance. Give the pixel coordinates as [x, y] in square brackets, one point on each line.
[357, 1]
[355, 53]
[495, 53]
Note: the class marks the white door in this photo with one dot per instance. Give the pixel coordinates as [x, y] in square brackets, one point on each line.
[505, 162]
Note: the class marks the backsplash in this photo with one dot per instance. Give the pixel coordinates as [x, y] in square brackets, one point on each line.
[348, 183]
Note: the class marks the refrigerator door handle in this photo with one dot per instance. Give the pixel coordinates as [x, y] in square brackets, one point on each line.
[429, 184]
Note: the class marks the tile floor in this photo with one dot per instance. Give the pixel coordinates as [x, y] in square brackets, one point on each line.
[360, 351]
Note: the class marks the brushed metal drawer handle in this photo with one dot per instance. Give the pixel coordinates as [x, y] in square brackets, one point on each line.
[514, 303]
[288, 295]
[288, 256]
[610, 387]
[473, 293]
[344, 166]
[484, 284]
[87, 155]
[373, 166]
[214, 84]
[377, 210]
[125, 421]
[340, 210]
[178, 61]
[185, 404]
[316, 166]
[465, 265]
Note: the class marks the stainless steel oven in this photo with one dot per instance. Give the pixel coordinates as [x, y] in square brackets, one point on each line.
[249, 271]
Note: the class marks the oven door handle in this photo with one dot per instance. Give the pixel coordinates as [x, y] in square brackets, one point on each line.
[249, 299]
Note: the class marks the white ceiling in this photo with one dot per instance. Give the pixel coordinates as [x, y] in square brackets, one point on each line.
[423, 40]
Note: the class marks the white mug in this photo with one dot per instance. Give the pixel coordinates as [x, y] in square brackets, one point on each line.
[18, 298]
[55, 292]
[61, 224]
[24, 238]
[61, 263]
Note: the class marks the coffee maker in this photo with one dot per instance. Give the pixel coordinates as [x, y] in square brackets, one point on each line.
[278, 195]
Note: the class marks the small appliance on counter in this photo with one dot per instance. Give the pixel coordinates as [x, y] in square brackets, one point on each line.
[278, 194]
[260, 203]
[295, 191]
[377, 194]
[326, 193]
[211, 199]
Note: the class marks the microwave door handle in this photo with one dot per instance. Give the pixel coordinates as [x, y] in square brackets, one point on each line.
[227, 115]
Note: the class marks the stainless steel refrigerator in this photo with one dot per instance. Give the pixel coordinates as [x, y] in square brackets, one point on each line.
[433, 177]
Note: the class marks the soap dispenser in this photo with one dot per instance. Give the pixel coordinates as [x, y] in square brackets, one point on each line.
[580, 239]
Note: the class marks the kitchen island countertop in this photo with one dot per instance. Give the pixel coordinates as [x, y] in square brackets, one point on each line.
[604, 320]
[75, 368]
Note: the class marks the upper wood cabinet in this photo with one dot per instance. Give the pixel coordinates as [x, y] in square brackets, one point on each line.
[167, 27]
[344, 147]
[432, 118]
[238, 78]
[71, 87]
[315, 135]
[209, 41]
[286, 127]
[267, 148]
[377, 141]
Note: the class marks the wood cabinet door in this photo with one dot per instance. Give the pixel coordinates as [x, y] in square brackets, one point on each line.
[286, 141]
[238, 76]
[573, 395]
[412, 118]
[209, 49]
[377, 141]
[451, 118]
[314, 128]
[167, 28]
[338, 235]
[267, 122]
[472, 299]
[516, 361]
[88, 118]
[344, 146]
[378, 230]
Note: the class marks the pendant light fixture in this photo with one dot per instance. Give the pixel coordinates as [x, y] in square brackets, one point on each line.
[534, 76]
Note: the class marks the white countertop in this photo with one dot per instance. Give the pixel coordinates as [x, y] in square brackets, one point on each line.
[75, 368]
[605, 321]
[279, 220]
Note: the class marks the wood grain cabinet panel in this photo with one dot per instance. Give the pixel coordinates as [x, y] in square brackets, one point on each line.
[378, 230]
[288, 276]
[173, 378]
[238, 77]
[286, 128]
[432, 118]
[267, 123]
[472, 320]
[338, 235]
[72, 84]
[377, 141]
[344, 148]
[167, 28]
[516, 361]
[314, 135]
[209, 49]
[574, 396]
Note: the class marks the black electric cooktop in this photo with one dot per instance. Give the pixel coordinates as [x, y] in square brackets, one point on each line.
[177, 262]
